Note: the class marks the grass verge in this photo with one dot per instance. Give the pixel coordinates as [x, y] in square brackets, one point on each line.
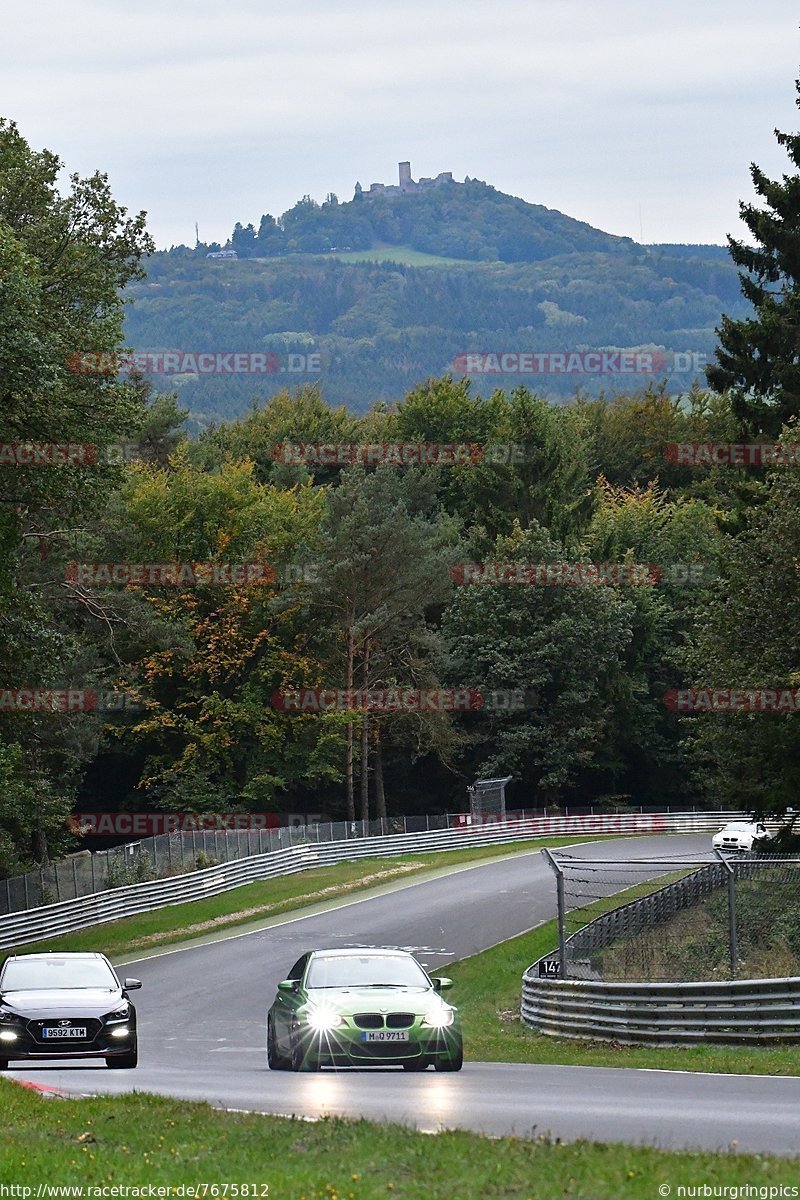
[137, 1140]
[488, 997]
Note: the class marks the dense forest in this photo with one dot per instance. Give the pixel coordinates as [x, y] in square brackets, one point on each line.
[378, 329]
[203, 579]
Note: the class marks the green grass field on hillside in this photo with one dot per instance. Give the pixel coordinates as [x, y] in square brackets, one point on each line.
[405, 255]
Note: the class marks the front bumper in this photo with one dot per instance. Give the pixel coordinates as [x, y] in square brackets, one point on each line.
[349, 1047]
[29, 1044]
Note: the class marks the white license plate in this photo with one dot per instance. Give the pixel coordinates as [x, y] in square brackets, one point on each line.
[64, 1031]
[386, 1035]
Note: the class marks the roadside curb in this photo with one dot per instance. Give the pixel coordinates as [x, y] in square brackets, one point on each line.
[45, 1090]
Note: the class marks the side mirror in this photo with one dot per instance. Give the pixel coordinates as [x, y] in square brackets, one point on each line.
[130, 985]
[288, 985]
[441, 983]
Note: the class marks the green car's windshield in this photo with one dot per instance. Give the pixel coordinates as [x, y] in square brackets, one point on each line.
[369, 970]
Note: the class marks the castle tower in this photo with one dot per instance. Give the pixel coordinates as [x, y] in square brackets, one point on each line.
[406, 182]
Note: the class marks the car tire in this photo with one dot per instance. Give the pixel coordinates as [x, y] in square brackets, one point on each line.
[275, 1060]
[3, 1064]
[303, 1062]
[455, 1061]
[124, 1062]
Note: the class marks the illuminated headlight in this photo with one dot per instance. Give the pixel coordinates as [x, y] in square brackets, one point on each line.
[440, 1018]
[7, 1036]
[121, 1031]
[321, 1020]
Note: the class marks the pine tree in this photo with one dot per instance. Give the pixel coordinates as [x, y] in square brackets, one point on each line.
[758, 357]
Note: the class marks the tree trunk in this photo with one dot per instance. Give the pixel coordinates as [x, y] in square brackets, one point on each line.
[380, 796]
[365, 742]
[351, 804]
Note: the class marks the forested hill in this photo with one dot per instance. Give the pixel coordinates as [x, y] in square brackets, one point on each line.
[426, 279]
[469, 220]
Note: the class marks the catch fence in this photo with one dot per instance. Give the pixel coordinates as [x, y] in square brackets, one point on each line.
[167, 855]
[23, 927]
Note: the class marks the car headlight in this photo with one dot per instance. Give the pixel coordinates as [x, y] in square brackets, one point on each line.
[322, 1020]
[7, 1017]
[119, 1014]
[440, 1018]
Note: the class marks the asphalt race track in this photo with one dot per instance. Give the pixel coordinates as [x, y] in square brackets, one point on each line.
[202, 1017]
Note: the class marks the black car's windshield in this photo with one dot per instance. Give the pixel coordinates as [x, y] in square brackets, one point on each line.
[369, 970]
[31, 975]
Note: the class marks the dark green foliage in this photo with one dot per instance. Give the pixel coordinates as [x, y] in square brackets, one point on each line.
[757, 358]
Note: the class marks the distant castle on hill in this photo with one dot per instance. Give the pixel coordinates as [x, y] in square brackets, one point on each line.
[406, 184]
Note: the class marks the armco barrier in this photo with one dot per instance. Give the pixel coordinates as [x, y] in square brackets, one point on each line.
[744, 1011]
[736, 1011]
[21, 928]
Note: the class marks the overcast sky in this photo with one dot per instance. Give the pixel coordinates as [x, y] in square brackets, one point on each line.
[641, 118]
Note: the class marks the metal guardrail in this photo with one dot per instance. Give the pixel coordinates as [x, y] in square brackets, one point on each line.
[47, 921]
[744, 1011]
[169, 854]
[738, 1011]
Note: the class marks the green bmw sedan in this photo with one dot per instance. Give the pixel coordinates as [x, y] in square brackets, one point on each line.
[354, 1007]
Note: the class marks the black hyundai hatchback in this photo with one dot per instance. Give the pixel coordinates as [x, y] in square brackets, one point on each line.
[66, 1006]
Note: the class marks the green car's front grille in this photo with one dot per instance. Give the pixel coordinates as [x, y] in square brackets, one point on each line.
[399, 1020]
[379, 1021]
[368, 1020]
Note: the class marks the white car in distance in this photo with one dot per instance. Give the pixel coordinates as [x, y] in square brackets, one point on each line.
[739, 835]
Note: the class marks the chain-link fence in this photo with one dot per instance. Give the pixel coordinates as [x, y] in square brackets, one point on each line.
[676, 918]
[164, 855]
[159, 857]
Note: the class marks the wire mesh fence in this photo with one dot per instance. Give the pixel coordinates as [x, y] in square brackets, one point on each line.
[165, 855]
[676, 918]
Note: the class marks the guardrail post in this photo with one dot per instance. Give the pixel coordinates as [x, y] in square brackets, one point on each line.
[562, 938]
[732, 935]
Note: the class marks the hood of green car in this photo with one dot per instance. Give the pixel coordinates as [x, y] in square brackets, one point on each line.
[346, 1001]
